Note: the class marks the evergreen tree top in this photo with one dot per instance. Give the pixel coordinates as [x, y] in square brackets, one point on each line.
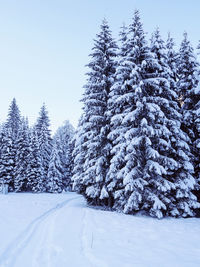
[137, 52]
[101, 69]
[123, 35]
[158, 48]
[43, 114]
[187, 52]
[136, 35]
[188, 67]
[158, 44]
[136, 24]
[43, 121]
[170, 42]
[104, 45]
[14, 118]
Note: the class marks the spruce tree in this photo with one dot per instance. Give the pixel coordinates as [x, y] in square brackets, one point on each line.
[180, 170]
[118, 101]
[12, 126]
[133, 53]
[95, 124]
[22, 157]
[44, 139]
[187, 71]
[144, 161]
[34, 170]
[7, 158]
[146, 136]
[64, 140]
[188, 86]
[14, 119]
[55, 171]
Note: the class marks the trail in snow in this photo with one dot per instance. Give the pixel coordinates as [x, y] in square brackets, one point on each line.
[45, 249]
[52, 239]
[11, 253]
[72, 235]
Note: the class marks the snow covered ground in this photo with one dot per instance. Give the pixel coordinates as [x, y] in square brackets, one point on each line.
[61, 231]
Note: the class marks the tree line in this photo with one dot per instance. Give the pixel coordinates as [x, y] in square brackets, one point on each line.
[137, 146]
[30, 159]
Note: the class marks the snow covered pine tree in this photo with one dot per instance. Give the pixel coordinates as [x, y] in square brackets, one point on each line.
[117, 102]
[55, 171]
[189, 91]
[7, 157]
[147, 178]
[10, 133]
[34, 170]
[94, 125]
[45, 141]
[22, 156]
[179, 168]
[64, 138]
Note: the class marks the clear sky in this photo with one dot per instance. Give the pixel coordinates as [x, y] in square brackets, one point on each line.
[44, 46]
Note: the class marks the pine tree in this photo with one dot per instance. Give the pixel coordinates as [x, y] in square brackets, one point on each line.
[55, 171]
[7, 157]
[94, 127]
[34, 170]
[14, 119]
[179, 169]
[185, 171]
[133, 53]
[188, 69]
[144, 160]
[117, 103]
[22, 157]
[64, 140]
[12, 126]
[44, 139]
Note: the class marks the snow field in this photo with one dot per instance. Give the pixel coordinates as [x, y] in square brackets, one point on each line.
[60, 230]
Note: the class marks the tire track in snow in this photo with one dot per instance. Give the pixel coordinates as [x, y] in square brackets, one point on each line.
[88, 242]
[13, 250]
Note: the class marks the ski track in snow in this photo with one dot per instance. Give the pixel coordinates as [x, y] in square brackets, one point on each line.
[70, 234]
[15, 248]
[45, 248]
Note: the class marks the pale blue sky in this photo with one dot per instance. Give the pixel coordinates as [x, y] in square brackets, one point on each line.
[44, 46]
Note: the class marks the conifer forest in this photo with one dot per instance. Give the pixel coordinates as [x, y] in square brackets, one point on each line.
[123, 187]
[137, 145]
